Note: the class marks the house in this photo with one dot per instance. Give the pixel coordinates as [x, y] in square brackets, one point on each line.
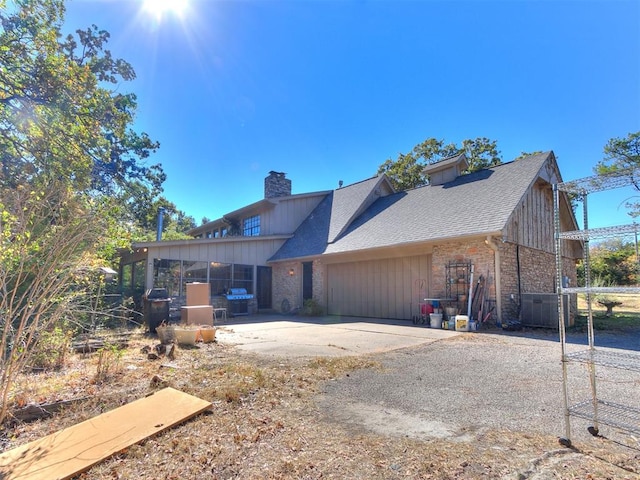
[366, 250]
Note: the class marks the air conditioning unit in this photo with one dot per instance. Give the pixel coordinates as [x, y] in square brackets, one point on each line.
[541, 310]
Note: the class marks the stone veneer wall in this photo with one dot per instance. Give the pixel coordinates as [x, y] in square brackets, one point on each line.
[319, 275]
[289, 287]
[537, 275]
[477, 252]
[276, 185]
[537, 271]
[285, 286]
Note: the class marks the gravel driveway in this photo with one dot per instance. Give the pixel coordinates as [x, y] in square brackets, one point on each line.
[457, 387]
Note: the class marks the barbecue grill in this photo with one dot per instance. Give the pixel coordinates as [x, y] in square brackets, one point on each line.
[156, 307]
[238, 301]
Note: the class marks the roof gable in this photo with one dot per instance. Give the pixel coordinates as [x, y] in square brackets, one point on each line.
[479, 203]
[352, 200]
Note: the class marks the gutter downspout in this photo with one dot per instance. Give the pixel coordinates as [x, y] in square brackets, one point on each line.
[492, 245]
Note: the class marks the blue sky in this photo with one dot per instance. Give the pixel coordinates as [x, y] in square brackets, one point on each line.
[327, 90]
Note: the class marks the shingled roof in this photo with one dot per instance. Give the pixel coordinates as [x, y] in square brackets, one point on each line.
[350, 201]
[478, 203]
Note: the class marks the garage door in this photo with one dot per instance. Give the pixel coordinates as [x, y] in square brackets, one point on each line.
[388, 288]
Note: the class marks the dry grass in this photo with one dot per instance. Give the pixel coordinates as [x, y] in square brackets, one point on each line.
[264, 424]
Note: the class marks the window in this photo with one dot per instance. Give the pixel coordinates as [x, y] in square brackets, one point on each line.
[127, 280]
[219, 277]
[216, 234]
[167, 274]
[193, 272]
[243, 277]
[251, 226]
[223, 232]
[139, 274]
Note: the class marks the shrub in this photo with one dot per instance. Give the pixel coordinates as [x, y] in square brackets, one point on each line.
[108, 362]
[312, 308]
[51, 349]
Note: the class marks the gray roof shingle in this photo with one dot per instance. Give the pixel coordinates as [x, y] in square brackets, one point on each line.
[474, 204]
[346, 202]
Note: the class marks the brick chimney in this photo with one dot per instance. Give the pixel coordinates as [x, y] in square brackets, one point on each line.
[277, 185]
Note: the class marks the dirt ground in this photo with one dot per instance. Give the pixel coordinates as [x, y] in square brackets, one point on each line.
[270, 419]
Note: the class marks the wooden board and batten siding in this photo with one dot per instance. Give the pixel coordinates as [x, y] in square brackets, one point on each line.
[536, 209]
[385, 288]
[288, 213]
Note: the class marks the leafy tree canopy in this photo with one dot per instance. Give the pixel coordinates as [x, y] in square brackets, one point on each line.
[622, 154]
[74, 177]
[61, 114]
[65, 121]
[613, 262]
[407, 170]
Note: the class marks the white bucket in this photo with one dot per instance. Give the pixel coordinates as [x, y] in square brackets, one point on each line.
[436, 320]
[462, 323]
[186, 336]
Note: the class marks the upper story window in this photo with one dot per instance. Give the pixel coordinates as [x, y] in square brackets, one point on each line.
[216, 234]
[251, 226]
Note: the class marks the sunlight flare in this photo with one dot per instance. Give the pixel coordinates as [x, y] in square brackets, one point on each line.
[160, 8]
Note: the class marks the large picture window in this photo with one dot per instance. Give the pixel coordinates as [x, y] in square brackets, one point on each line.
[251, 226]
[175, 274]
[219, 277]
[167, 275]
[193, 272]
[243, 277]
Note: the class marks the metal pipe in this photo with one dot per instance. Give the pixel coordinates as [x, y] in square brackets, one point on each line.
[496, 258]
[161, 211]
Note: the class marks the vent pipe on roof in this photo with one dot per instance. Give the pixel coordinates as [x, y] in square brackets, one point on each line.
[161, 211]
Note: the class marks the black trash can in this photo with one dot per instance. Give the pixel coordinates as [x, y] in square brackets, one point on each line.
[156, 308]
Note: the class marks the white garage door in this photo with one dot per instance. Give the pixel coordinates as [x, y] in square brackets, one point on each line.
[388, 288]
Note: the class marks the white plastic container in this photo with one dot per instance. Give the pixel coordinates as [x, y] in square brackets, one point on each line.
[462, 323]
[186, 336]
[436, 320]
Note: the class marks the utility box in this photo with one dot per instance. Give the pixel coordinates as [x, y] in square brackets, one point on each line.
[198, 294]
[197, 315]
[541, 310]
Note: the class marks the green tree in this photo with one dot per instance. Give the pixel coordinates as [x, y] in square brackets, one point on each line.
[407, 170]
[613, 262]
[526, 154]
[145, 215]
[622, 154]
[68, 159]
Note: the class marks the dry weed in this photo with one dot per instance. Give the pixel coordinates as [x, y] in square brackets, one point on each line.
[264, 424]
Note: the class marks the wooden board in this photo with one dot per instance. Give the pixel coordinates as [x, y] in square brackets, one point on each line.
[73, 450]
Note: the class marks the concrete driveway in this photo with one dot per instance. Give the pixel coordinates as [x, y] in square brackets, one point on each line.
[324, 336]
[455, 389]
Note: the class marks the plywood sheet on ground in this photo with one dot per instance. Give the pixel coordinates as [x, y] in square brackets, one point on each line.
[75, 449]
